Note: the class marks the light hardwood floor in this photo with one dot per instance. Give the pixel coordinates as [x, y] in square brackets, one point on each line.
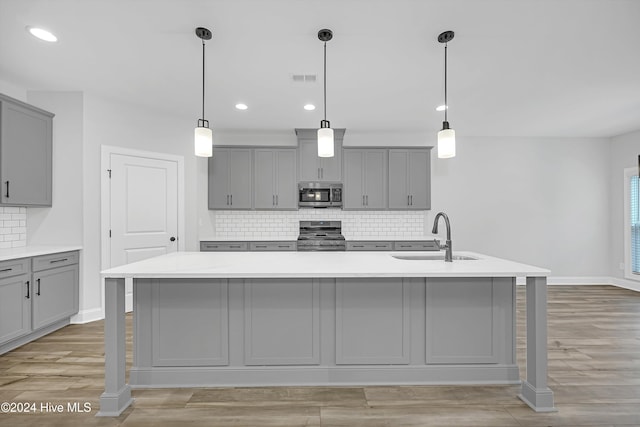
[594, 370]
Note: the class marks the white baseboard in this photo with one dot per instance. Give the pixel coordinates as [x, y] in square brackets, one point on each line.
[626, 283]
[585, 281]
[86, 316]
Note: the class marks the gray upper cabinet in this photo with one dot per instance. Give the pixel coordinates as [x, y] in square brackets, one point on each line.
[409, 179]
[313, 168]
[275, 179]
[26, 135]
[230, 178]
[365, 178]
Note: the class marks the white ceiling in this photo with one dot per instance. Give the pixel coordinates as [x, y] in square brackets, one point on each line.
[568, 68]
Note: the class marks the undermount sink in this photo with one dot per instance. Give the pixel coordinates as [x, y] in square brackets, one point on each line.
[433, 257]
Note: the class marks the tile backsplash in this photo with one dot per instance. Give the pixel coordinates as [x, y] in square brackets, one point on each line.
[13, 227]
[247, 225]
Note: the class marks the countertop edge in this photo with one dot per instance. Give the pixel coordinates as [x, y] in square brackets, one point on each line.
[31, 251]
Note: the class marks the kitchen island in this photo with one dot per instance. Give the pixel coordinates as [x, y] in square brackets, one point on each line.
[332, 318]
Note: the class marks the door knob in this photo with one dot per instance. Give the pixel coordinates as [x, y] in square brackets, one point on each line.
[173, 239]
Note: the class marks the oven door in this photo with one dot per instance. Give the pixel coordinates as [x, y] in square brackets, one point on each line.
[314, 197]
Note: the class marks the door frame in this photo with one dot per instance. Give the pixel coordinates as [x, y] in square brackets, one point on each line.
[105, 197]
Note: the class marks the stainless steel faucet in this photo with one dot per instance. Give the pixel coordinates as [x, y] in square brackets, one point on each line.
[448, 257]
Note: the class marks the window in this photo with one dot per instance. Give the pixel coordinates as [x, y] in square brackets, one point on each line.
[632, 224]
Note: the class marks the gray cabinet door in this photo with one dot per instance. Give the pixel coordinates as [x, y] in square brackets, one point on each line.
[375, 179]
[264, 192]
[308, 161]
[398, 185]
[313, 168]
[353, 197]
[15, 307]
[331, 167]
[25, 154]
[409, 179]
[230, 176]
[219, 179]
[420, 179]
[240, 177]
[55, 295]
[286, 189]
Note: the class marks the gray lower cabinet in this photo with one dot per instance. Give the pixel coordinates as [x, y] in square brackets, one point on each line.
[473, 329]
[409, 179]
[313, 168]
[365, 179]
[230, 178]
[37, 295]
[26, 135]
[275, 179]
[223, 246]
[282, 330]
[15, 299]
[366, 245]
[416, 245]
[273, 246]
[372, 321]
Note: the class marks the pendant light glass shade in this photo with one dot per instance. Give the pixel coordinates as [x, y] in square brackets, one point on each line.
[325, 142]
[203, 142]
[446, 143]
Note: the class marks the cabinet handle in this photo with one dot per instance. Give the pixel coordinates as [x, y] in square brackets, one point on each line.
[318, 173]
[58, 260]
[28, 295]
[7, 194]
[6, 269]
[235, 246]
[408, 200]
[411, 198]
[381, 246]
[363, 200]
[283, 246]
[276, 200]
[261, 246]
[38, 293]
[231, 199]
[358, 246]
[367, 198]
[227, 200]
[273, 200]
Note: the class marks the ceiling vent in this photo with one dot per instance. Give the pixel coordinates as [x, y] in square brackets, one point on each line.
[304, 78]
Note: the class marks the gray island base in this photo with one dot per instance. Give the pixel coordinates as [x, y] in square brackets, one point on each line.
[289, 318]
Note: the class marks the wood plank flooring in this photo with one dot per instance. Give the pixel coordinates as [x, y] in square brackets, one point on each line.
[594, 370]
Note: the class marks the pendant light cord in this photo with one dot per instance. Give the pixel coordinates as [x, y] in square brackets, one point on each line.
[325, 81]
[446, 103]
[203, 79]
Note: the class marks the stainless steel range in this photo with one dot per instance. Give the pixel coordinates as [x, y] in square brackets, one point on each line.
[321, 236]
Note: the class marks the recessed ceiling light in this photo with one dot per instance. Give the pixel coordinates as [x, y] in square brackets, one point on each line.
[441, 107]
[309, 107]
[42, 34]
[241, 106]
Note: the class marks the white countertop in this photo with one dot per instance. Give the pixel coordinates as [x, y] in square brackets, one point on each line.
[317, 264]
[31, 251]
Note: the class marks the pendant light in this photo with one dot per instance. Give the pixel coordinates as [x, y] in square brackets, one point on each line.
[447, 136]
[325, 133]
[203, 137]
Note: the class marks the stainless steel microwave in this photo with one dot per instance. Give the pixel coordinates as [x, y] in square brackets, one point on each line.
[319, 195]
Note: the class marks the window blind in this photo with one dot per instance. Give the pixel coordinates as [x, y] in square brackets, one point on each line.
[634, 215]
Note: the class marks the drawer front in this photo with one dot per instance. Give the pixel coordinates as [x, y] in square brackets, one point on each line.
[55, 260]
[369, 246]
[272, 246]
[427, 245]
[223, 246]
[14, 267]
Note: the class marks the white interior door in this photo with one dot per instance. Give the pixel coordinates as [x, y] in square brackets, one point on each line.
[143, 209]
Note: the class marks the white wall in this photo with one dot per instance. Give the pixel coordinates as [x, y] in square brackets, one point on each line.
[13, 91]
[107, 122]
[537, 201]
[624, 154]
